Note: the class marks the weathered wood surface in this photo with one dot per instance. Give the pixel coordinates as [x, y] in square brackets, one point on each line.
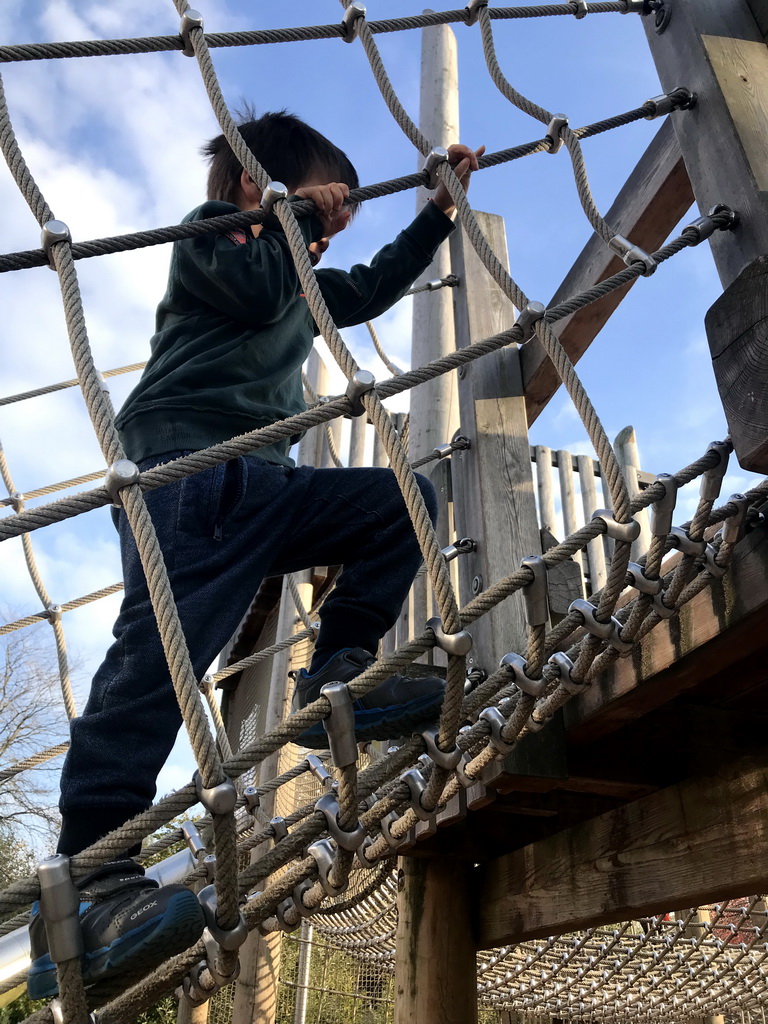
[759, 10]
[737, 330]
[435, 967]
[717, 50]
[718, 628]
[692, 843]
[654, 198]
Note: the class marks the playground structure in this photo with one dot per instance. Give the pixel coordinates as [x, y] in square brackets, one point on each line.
[663, 645]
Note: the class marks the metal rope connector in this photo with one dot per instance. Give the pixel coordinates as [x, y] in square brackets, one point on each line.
[386, 824]
[519, 666]
[329, 806]
[351, 21]
[732, 529]
[473, 10]
[319, 771]
[641, 582]
[678, 538]
[417, 784]
[676, 99]
[122, 473]
[60, 909]
[359, 384]
[529, 316]
[220, 799]
[536, 592]
[555, 127]
[362, 854]
[281, 912]
[229, 938]
[275, 190]
[298, 898]
[252, 799]
[458, 644]
[190, 19]
[194, 840]
[340, 724]
[664, 611]
[437, 156]
[463, 546]
[54, 613]
[663, 509]
[581, 9]
[610, 630]
[627, 532]
[712, 479]
[710, 559]
[631, 254]
[279, 828]
[322, 852]
[563, 665]
[732, 216]
[447, 759]
[54, 231]
[497, 721]
[212, 952]
[636, 7]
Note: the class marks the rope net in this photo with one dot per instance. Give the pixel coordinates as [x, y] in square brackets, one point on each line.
[639, 969]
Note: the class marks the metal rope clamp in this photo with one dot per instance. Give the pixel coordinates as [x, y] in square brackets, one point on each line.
[252, 799]
[519, 666]
[53, 231]
[351, 21]
[386, 824]
[636, 7]
[280, 913]
[528, 318]
[230, 938]
[461, 772]
[54, 613]
[631, 254]
[275, 190]
[676, 99]
[319, 771]
[329, 806]
[626, 532]
[497, 721]
[664, 611]
[220, 799]
[463, 546]
[732, 530]
[458, 644]
[122, 473]
[212, 950]
[340, 724]
[473, 10]
[663, 509]
[679, 539]
[298, 898]
[360, 383]
[322, 852]
[60, 909]
[610, 631]
[192, 988]
[190, 19]
[438, 155]
[712, 479]
[279, 828]
[563, 665]
[558, 122]
[194, 841]
[641, 582]
[535, 592]
[582, 9]
[416, 783]
[447, 759]
[362, 854]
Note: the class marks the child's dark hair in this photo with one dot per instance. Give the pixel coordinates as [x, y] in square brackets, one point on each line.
[288, 149]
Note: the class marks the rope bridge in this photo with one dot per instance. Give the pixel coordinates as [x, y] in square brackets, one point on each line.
[357, 826]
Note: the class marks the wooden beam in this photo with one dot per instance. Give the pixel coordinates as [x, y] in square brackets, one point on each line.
[714, 632]
[656, 195]
[690, 844]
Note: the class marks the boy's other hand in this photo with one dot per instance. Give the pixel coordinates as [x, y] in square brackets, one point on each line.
[463, 160]
[329, 200]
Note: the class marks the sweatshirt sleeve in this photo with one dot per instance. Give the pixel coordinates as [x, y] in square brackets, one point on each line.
[365, 291]
[254, 282]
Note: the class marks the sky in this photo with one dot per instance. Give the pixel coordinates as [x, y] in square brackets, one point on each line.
[114, 143]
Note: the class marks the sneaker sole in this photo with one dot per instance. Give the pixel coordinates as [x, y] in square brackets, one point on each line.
[141, 950]
[380, 723]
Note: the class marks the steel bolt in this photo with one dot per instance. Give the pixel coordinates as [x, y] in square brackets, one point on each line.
[477, 585]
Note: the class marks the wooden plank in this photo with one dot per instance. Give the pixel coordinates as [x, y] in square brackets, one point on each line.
[717, 50]
[737, 330]
[715, 631]
[595, 548]
[628, 455]
[655, 197]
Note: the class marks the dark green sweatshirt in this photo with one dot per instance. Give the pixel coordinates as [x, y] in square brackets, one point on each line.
[233, 330]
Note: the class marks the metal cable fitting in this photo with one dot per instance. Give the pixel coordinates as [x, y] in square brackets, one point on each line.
[340, 724]
[473, 9]
[275, 190]
[732, 216]
[732, 529]
[459, 443]
[558, 122]
[298, 898]
[351, 21]
[610, 631]
[712, 479]
[192, 988]
[630, 254]
[447, 759]
[641, 582]
[360, 383]
[252, 799]
[212, 952]
[463, 546]
[627, 532]
[461, 772]
[54, 613]
[386, 824]
[194, 840]
[710, 556]
[320, 772]
[458, 644]
[676, 99]
[519, 666]
[190, 19]
[678, 538]
[279, 828]
[663, 508]
[416, 783]
[563, 665]
[53, 231]
[449, 281]
[528, 318]
[437, 156]
[322, 852]
[122, 473]
[220, 799]
[497, 721]
[635, 7]
[60, 909]
[581, 9]
[362, 854]
[536, 592]
[328, 805]
[664, 611]
[280, 913]
[229, 938]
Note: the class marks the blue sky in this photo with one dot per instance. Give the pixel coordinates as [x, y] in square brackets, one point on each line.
[113, 143]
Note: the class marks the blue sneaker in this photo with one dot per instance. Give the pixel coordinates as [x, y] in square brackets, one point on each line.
[397, 707]
[128, 922]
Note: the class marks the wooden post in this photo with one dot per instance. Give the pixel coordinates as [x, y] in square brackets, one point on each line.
[546, 495]
[357, 433]
[435, 968]
[717, 49]
[629, 459]
[595, 550]
[568, 501]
